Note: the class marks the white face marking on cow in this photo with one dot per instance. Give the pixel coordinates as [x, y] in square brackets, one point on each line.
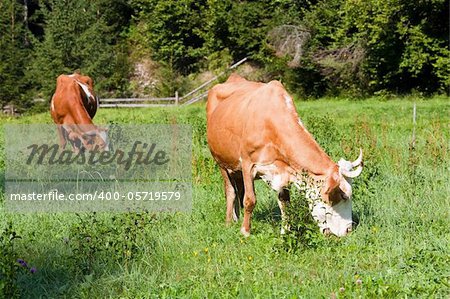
[344, 164]
[336, 218]
[103, 134]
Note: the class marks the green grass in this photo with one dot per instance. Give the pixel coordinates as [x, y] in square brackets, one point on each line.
[400, 248]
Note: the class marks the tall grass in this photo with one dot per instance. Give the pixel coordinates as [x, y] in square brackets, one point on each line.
[399, 249]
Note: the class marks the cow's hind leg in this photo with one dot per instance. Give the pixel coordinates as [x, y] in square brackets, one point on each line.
[238, 183]
[230, 194]
[249, 199]
[283, 200]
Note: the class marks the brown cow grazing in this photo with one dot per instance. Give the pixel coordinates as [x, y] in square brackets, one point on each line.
[254, 132]
[73, 106]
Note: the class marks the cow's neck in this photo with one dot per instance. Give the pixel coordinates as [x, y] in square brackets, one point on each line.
[304, 153]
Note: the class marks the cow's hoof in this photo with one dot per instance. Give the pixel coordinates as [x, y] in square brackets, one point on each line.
[228, 223]
[245, 233]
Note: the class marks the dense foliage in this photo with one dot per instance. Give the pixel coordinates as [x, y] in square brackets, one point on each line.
[351, 47]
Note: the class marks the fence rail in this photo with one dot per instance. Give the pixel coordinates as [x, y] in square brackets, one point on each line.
[119, 100]
[191, 97]
[131, 105]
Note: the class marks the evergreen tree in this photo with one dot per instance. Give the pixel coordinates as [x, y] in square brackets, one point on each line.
[14, 51]
[173, 31]
[77, 37]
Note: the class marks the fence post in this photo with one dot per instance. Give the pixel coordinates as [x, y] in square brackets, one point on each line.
[413, 139]
[176, 98]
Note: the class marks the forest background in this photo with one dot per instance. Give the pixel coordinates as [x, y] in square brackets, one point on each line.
[351, 48]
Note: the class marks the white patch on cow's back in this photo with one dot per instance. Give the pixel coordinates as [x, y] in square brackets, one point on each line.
[289, 103]
[52, 105]
[86, 90]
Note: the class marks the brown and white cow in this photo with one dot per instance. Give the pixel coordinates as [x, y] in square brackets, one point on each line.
[73, 106]
[254, 132]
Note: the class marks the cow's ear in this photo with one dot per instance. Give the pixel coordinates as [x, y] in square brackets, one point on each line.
[332, 183]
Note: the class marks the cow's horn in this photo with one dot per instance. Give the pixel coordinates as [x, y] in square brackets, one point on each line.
[358, 161]
[353, 173]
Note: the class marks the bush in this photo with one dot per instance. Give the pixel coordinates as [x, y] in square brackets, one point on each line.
[8, 264]
[302, 230]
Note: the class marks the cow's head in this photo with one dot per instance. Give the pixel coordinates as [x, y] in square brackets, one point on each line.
[88, 140]
[334, 212]
[96, 139]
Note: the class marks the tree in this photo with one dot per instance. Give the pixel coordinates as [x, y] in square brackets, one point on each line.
[14, 51]
[77, 37]
[172, 30]
[404, 44]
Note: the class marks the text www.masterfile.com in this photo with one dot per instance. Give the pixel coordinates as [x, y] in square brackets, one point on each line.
[54, 195]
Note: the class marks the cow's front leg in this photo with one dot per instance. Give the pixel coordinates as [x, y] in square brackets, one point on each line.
[62, 137]
[283, 200]
[249, 199]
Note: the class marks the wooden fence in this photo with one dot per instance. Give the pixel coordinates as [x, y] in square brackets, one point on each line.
[191, 97]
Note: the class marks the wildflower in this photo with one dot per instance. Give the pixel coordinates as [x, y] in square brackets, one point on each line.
[358, 282]
[206, 249]
[25, 265]
[341, 289]
[250, 258]
[195, 253]
[22, 263]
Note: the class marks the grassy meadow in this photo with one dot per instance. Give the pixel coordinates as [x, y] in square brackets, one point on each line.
[400, 247]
